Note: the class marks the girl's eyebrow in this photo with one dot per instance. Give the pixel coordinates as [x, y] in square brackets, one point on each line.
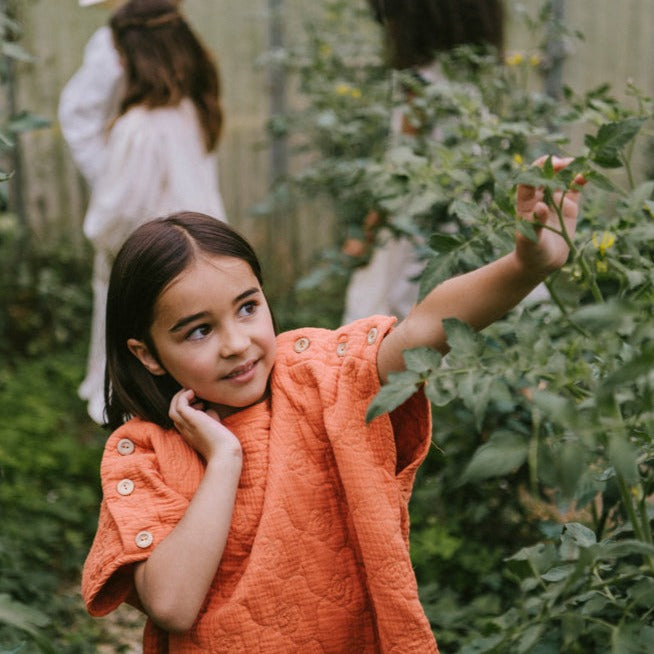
[182, 322]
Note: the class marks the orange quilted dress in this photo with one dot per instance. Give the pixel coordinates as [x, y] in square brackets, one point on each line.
[317, 558]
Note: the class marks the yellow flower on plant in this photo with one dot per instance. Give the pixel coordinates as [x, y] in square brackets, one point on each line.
[603, 242]
[534, 60]
[347, 89]
[517, 158]
[601, 266]
[515, 59]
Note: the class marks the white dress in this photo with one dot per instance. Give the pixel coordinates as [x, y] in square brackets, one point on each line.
[151, 163]
[88, 102]
[155, 163]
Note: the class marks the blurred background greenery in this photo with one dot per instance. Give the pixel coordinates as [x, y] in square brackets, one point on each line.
[530, 520]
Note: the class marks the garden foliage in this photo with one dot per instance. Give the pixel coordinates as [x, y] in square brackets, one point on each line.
[49, 450]
[531, 520]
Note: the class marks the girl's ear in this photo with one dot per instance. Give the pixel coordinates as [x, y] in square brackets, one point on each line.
[141, 351]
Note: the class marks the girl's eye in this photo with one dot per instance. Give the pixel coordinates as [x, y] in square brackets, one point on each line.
[198, 332]
[247, 309]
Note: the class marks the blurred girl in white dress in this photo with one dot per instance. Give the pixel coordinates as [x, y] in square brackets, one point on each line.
[157, 156]
[415, 33]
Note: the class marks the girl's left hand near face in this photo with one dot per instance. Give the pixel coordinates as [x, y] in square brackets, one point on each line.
[201, 429]
[551, 250]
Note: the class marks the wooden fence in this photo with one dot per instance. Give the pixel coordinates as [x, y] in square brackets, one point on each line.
[618, 46]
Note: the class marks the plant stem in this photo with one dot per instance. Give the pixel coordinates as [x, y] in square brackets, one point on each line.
[557, 300]
[588, 275]
[532, 453]
[633, 517]
[644, 520]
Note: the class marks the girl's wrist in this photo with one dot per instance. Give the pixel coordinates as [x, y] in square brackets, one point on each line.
[528, 273]
[225, 461]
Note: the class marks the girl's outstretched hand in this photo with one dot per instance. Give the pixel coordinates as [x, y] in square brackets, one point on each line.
[202, 430]
[551, 250]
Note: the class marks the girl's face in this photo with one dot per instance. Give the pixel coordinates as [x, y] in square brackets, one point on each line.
[213, 333]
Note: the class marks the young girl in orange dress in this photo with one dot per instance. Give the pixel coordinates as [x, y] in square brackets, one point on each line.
[248, 505]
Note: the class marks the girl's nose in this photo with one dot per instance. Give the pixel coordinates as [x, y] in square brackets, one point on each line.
[233, 340]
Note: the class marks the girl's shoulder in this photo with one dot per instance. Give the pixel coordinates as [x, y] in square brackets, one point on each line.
[357, 338]
[137, 436]
[140, 450]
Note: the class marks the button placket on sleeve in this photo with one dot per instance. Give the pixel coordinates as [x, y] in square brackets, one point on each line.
[125, 487]
[301, 344]
[372, 336]
[143, 539]
[125, 446]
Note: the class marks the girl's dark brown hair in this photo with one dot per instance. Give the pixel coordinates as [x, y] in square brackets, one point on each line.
[150, 259]
[417, 30]
[165, 62]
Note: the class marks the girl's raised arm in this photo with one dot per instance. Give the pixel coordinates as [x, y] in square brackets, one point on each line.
[484, 295]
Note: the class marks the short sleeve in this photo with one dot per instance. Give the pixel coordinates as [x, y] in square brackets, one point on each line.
[410, 422]
[138, 511]
[342, 366]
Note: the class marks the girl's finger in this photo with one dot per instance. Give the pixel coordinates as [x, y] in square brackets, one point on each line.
[541, 214]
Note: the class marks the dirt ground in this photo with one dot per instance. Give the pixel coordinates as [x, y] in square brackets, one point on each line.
[125, 628]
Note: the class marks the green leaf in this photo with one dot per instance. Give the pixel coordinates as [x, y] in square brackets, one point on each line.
[438, 269]
[580, 534]
[475, 390]
[443, 243]
[20, 615]
[640, 195]
[400, 387]
[422, 359]
[631, 638]
[611, 138]
[626, 548]
[608, 315]
[466, 211]
[559, 573]
[558, 409]
[572, 465]
[439, 394]
[526, 228]
[642, 592]
[461, 337]
[15, 51]
[529, 638]
[504, 452]
[541, 557]
[601, 181]
[25, 122]
[639, 366]
[533, 176]
[623, 457]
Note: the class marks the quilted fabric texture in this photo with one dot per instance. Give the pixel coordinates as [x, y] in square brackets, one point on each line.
[317, 557]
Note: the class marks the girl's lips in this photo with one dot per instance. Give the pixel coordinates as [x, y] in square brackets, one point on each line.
[242, 373]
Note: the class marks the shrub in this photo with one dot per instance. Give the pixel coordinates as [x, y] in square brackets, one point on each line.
[543, 447]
